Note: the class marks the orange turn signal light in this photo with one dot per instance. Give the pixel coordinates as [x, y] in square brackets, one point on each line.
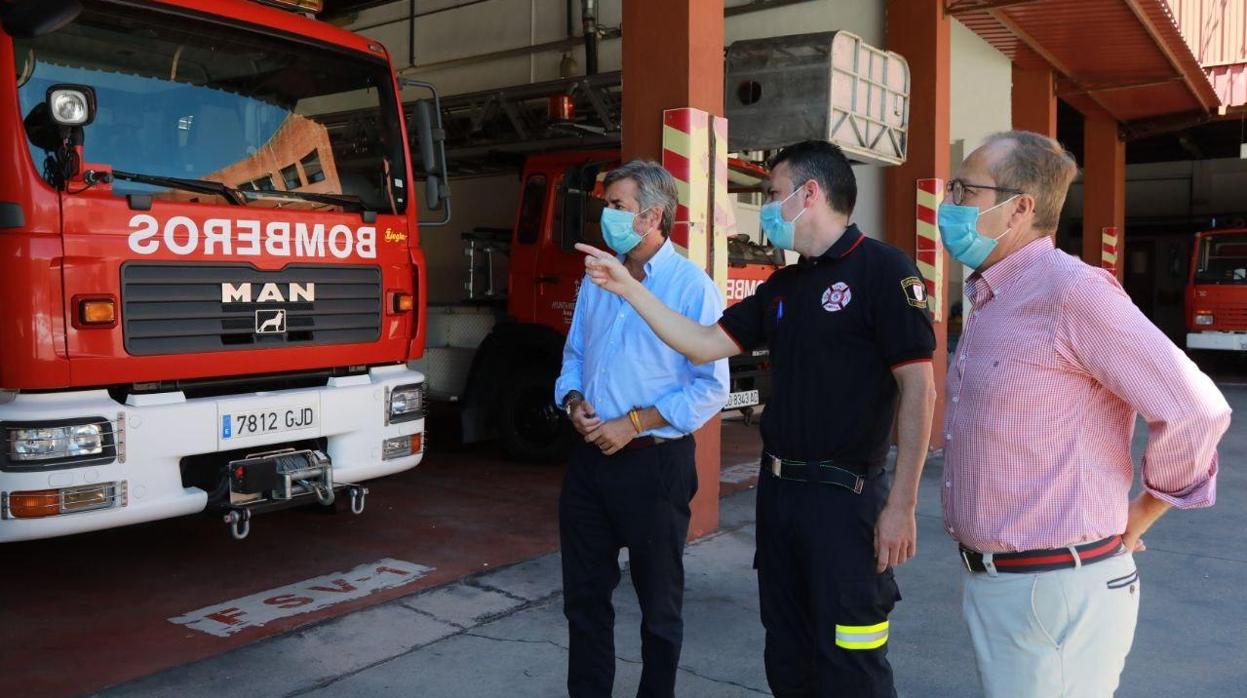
[97, 312]
[404, 302]
[34, 504]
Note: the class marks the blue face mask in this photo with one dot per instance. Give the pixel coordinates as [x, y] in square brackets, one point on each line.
[780, 232]
[617, 230]
[960, 232]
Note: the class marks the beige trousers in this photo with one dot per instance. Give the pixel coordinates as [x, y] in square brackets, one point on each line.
[1060, 634]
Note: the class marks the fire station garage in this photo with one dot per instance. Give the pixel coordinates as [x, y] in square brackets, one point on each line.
[514, 111]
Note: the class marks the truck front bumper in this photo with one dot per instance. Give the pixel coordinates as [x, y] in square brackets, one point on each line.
[1223, 341]
[154, 432]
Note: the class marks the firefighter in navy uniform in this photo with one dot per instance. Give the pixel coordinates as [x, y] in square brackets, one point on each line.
[851, 346]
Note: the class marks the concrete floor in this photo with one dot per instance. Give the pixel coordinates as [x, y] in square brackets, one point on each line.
[84, 612]
[502, 632]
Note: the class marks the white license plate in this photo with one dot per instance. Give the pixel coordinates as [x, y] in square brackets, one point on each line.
[744, 398]
[246, 423]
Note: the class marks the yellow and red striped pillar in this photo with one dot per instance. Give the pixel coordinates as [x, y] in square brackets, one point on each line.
[686, 155]
[694, 151]
[929, 251]
[1109, 245]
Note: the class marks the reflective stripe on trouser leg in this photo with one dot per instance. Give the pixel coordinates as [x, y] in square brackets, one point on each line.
[862, 637]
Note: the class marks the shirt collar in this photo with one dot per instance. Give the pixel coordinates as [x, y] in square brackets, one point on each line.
[659, 259]
[850, 240]
[999, 276]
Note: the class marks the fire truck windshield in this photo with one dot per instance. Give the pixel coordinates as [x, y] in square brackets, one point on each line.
[1222, 259]
[181, 98]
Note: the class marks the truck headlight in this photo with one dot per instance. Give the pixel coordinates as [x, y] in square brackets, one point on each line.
[406, 403]
[1204, 319]
[38, 445]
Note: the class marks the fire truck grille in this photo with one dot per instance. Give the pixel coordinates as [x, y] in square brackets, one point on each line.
[188, 308]
[1230, 318]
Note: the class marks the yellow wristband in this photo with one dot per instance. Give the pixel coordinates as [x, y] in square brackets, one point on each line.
[636, 420]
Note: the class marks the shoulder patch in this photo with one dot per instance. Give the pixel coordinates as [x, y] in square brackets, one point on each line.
[915, 291]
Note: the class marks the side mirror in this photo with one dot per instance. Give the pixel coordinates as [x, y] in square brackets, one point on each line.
[428, 134]
[30, 18]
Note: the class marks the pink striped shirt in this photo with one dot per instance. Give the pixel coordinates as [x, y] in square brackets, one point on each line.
[1053, 365]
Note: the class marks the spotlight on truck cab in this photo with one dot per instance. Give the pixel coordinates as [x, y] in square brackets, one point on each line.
[312, 6]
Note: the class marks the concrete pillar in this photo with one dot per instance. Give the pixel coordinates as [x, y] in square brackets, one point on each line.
[1104, 186]
[1034, 94]
[673, 58]
[919, 31]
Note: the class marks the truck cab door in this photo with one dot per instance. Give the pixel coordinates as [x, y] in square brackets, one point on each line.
[577, 208]
[531, 220]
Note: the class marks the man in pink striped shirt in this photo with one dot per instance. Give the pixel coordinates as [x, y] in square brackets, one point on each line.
[1054, 364]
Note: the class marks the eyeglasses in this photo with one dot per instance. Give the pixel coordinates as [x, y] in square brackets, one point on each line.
[956, 190]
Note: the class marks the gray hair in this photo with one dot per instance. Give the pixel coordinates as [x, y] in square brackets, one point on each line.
[655, 188]
[1039, 166]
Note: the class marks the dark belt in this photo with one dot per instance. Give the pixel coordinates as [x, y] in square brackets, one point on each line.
[1031, 561]
[648, 441]
[829, 472]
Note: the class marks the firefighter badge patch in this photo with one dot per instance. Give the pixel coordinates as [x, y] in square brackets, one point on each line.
[836, 297]
[915, 291]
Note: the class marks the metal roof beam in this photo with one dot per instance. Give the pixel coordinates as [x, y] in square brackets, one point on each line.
[1034, 45]
[1168, 51]
[1074, 87]
[956, 8]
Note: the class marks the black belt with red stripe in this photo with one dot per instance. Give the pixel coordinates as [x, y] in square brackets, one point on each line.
[1031, 561]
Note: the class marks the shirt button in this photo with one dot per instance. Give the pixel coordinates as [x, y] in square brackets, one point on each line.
[948, 437]
[956, 399]
[948, 484]
[950, 529]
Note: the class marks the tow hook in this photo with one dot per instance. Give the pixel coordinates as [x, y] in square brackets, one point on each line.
[239, 522]
[357, 493]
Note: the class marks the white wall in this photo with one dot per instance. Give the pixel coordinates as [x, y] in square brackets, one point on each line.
[981, 85]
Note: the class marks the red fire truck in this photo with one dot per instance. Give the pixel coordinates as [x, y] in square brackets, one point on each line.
[1216, 291]
[211, 280]
[497, 354]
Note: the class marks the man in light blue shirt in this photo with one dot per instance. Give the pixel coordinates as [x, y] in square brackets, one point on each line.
[635, 401]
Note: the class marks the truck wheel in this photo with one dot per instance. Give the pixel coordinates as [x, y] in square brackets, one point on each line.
[532, 427]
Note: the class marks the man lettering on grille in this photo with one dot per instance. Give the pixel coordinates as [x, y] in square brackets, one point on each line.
[850, 339]
[635, 402]
[1053, 365]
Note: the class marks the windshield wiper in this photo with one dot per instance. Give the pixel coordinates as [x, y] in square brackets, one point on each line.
[202, 186]
[348, 202]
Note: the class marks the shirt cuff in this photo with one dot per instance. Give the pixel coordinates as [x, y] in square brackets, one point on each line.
[1198, 495]
[562, 388]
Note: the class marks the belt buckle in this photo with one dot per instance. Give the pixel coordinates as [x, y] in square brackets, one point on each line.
[859, 484]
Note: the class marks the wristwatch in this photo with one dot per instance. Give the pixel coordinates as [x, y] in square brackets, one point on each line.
[570, 401]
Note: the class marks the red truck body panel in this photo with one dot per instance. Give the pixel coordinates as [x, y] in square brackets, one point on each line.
[74, 245]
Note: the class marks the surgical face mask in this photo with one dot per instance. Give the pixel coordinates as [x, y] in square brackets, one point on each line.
[780, 232]
[960, 233]
[617, 230]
